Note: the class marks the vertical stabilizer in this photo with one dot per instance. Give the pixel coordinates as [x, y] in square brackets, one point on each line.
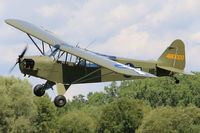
[173, 56]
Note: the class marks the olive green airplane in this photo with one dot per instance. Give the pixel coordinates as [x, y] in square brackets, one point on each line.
[64, 64]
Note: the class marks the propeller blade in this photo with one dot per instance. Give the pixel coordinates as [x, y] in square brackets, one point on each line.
[13, 67]
[23, 52]
[19, 59]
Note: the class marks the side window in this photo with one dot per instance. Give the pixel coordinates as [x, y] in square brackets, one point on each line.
[29, 63]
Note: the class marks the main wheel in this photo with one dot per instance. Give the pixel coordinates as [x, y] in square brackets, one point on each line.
[60, 101]
[39, 90]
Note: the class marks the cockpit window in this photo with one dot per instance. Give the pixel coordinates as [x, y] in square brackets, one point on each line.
[29, 63]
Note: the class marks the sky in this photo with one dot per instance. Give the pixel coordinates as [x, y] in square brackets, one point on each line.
[138, 29]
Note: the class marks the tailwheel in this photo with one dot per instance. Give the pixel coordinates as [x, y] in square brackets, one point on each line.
[60, 101]
[39, 90]
[176, 80]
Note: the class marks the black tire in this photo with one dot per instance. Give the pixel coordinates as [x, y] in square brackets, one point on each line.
[39, 90]
[60, 101]
[177, 81]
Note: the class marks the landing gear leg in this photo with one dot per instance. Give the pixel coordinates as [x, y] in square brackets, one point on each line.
[60, 100]
[39, 90]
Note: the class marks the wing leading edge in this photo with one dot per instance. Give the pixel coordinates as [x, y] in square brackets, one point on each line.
[52, 40]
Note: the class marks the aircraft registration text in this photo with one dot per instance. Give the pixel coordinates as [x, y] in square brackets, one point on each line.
[174, 56]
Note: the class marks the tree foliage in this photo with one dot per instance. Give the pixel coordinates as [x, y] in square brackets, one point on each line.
[76, 122]
[123, 115]
[172, 120]
[145, 105]
[163, 91]
[46, 118]
[17, 109]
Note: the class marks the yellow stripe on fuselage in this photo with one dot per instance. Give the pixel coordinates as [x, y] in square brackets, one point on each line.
[174, 56]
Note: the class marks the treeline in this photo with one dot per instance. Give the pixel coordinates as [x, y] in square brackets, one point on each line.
[154, 105]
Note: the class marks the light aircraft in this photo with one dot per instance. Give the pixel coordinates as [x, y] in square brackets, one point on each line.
[65, 64]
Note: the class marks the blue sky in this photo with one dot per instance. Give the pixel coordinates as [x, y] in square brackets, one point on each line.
[139, 29]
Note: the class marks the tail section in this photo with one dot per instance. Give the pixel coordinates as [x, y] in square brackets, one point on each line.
[173, 58]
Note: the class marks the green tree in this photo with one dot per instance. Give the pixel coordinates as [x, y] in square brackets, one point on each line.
[111, 89]
[163, 91]
[123, 115]
[76, 103]
[98, 99]
[46, 119]
[76, 122]
[17, 109]
[172, 120]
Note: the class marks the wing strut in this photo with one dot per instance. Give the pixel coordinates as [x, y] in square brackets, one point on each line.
[43, 47]
[66, 57]
[35, 44]
[59, 55]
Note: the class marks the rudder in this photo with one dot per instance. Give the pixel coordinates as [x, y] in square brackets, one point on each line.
[173, 56]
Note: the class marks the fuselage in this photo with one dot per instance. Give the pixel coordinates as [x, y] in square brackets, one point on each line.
[74, 73]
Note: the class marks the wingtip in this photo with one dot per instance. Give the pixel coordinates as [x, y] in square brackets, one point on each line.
[9, 21]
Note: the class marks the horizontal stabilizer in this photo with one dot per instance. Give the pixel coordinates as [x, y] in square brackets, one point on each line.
[176, 70]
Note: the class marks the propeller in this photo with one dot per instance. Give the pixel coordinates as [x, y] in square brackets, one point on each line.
[19, 58]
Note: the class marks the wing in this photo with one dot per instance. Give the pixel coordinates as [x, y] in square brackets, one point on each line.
[52, 40]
